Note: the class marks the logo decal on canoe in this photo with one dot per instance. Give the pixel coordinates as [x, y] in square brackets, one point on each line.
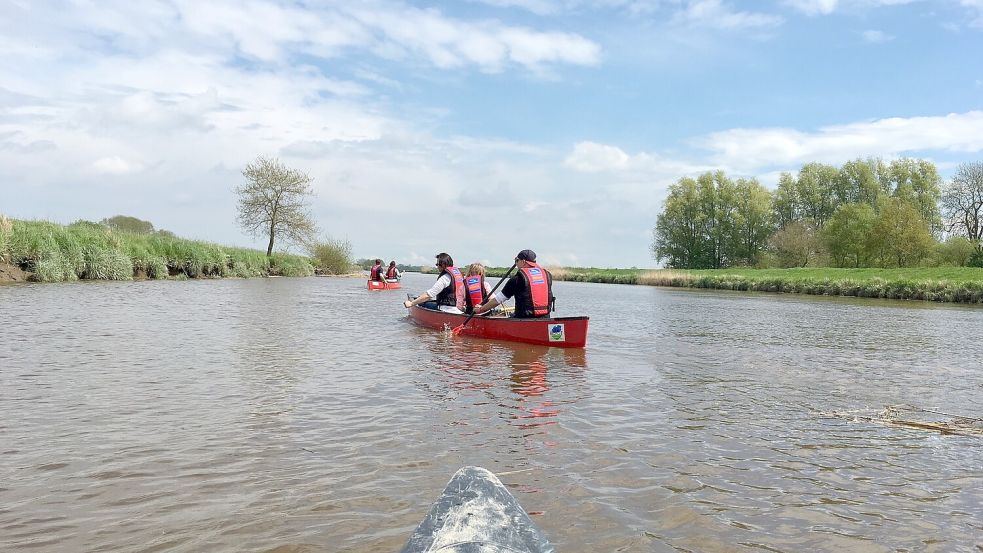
[557, 334]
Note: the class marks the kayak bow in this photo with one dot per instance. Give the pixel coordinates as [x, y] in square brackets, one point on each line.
[476, 514]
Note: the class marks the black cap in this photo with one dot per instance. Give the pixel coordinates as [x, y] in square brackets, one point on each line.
[526, 255]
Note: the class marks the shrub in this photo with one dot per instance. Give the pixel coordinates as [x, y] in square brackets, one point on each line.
[290, 265]
[956, 252]
[976, 260]
[333, 257]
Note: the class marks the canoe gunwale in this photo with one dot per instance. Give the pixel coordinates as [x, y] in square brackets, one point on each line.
[571, 332]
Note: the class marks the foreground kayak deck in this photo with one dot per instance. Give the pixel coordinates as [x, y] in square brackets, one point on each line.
[477, 514]
[563, 332]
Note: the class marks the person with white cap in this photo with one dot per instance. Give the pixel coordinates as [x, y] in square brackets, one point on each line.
[531, 286]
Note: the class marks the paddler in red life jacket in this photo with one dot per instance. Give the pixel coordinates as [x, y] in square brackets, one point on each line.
[375, 273]
[392, 273]
[476, 288]
[447, 294]
[531, 286]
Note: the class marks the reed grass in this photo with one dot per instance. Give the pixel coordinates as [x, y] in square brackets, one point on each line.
[54, 253]
[940, 284]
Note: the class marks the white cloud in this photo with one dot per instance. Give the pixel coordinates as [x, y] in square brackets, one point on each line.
[826, 7]
[490, 45]
[115, 165]
[876, 37]
[591, 157]
[813, 7]
[975, 8]
[759, 152]
[539, 7]
[271, 32]
[754, 149]
[718, 15]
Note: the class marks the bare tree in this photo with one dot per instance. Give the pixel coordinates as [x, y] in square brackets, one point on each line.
[274, 202]
[962, 202]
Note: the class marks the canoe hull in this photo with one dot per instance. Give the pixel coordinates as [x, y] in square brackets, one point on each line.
[477, 514]
[561, 332]
[379, 285]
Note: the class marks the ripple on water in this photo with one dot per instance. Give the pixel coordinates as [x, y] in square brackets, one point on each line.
[295, 415]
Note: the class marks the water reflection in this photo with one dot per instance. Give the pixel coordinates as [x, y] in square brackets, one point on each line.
[526, 383]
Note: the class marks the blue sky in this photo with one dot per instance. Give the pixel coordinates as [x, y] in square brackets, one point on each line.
[476, 127]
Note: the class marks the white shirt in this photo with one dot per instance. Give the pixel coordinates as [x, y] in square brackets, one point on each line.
[443, 282]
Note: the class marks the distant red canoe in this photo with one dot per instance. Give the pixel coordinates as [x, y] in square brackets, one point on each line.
[561, 332]
[379, 285]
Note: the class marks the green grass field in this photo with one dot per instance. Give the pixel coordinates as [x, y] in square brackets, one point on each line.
[943, 284]
[52, 253]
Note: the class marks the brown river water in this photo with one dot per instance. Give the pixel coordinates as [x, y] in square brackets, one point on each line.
[309, 415]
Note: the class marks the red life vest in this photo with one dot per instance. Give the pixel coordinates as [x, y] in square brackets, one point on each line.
[476, 291]
[453, 294]
[538, 288]
[374, 273]
[391, 272]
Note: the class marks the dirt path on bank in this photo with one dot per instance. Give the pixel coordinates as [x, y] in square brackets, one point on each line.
[12, 273]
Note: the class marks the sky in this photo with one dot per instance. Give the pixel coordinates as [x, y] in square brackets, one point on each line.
[473, 127]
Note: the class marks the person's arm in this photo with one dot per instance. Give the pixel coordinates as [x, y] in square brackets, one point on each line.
[443, 282]
[499, 297]
[487, 306]
[419, 299]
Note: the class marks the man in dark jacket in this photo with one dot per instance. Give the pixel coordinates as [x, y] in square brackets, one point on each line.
[531, 286]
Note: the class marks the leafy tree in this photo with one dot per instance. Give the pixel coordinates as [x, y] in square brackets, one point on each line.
[846, 233]
[816, 187]
[956, 252]
[900, 236]
[752, 221]
[678, 236]
[128, 224]
[962, 203]
[785, 203]
[697, 227]
[862, 181]
[795, 245]
[917, 181]
[716, 198]
[274, 202]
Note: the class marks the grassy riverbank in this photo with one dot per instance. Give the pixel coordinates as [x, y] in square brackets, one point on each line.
[942, 284]
[49, 252]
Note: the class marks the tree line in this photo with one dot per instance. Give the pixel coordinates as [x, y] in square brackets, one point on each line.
[866, 213]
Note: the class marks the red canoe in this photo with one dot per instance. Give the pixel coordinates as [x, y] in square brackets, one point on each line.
[561, 332]
[379, 285]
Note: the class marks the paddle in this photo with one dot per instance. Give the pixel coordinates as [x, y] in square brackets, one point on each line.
[457, 330]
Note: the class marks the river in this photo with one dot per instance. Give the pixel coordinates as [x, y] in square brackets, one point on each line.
[309, 415]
